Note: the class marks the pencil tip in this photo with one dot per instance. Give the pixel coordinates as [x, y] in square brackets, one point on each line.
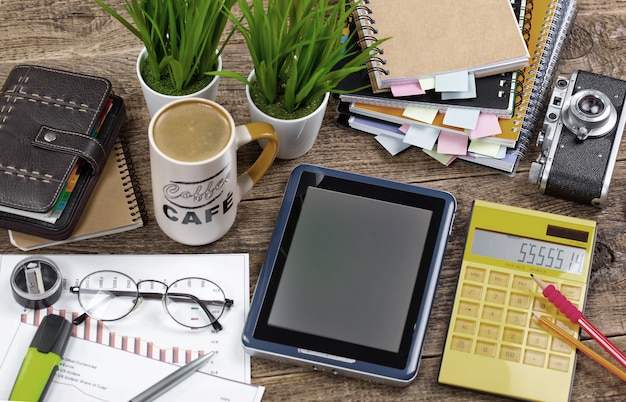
[532, 275]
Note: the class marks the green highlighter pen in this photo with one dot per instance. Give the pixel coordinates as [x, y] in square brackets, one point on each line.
[42, 359]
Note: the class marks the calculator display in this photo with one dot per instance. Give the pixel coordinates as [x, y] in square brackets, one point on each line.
[528, 251]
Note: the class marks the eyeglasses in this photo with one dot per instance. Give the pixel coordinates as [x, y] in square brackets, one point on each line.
[110, 295]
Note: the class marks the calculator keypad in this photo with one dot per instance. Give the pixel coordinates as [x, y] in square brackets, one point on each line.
[493, 318]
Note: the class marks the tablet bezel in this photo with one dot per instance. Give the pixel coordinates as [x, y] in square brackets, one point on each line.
[395, 368]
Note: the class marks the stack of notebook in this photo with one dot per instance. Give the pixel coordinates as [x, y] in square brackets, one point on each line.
[460, 80]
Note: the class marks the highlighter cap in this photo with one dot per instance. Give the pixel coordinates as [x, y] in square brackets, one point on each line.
[42, 359]
[53, 335]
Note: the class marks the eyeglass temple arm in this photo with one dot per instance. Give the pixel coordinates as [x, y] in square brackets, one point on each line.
[214, 322]
[184, 297]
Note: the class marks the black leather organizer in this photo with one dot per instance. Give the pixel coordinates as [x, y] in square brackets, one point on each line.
[57, 129]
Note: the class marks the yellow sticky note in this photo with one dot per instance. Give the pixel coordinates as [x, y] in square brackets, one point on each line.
[444, 159]
[485, 148]
[427, 83]
[420, 113]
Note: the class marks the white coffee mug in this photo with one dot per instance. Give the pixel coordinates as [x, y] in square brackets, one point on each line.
[193, 163]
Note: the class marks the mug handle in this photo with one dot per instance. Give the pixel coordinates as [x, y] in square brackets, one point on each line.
[256, 131]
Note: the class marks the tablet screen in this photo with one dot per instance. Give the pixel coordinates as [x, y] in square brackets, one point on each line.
[351, 269]
[353, 266]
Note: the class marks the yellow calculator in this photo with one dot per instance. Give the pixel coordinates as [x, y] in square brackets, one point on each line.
[493, 343]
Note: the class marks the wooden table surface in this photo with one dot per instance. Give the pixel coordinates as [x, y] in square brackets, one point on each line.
[78, 35]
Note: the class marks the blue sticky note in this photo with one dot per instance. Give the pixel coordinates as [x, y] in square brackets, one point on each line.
[393, 145]
[469, 94]
[452, 82]
[422, 136]
[461, 117]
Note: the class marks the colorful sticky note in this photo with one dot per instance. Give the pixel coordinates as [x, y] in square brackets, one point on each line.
[469, 94]
[427, 83]
[452, 143]
[444, 159]
[486, 125]
[421, 113]
[461, 117]
[393, 145]
[486, 148]
[413, 88]
[422, 136]
[452, 82]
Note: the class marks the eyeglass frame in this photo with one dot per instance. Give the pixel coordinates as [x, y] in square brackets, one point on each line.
[228, 303]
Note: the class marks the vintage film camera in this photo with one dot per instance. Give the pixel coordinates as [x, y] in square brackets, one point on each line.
[580, 138]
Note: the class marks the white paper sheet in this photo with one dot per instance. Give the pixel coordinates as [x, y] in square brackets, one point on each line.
[117, 360]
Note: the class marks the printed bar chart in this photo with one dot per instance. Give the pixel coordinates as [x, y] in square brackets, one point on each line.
[96, 331]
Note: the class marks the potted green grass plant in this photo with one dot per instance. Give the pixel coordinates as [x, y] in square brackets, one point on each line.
[181, 41]
[296, 48]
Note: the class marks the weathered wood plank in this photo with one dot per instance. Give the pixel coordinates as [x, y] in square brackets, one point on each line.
[78, 35]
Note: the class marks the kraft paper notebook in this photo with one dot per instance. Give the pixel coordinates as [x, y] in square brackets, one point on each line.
[114, 206]
[429, 38]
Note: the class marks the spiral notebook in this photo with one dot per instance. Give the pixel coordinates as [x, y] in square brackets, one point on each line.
[429, 38]
[114, 206]
[556, 18]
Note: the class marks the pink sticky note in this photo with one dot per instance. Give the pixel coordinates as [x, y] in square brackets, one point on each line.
[487, 125]
[413, 88]
[452, 143]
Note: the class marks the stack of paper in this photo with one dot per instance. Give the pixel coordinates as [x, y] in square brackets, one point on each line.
[116, 360]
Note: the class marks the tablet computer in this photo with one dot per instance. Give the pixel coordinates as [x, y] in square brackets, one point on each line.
[350, 274]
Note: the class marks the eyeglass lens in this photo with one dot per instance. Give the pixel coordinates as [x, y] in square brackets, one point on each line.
[108, 295]
[195, 302]
[192, 302]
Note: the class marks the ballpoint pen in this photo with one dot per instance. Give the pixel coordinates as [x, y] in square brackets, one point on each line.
[576, 317]
[173, 379]
[575, 343]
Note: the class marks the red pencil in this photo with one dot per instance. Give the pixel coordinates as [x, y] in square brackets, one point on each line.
[576, 317]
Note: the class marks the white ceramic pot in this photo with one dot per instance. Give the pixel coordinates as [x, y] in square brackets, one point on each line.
[155, 100]
[295, 137]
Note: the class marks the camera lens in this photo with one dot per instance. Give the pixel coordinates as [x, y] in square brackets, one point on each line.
[589, 113]
[591, 105]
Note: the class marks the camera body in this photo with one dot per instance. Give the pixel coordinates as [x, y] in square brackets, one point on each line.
[580, 138]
